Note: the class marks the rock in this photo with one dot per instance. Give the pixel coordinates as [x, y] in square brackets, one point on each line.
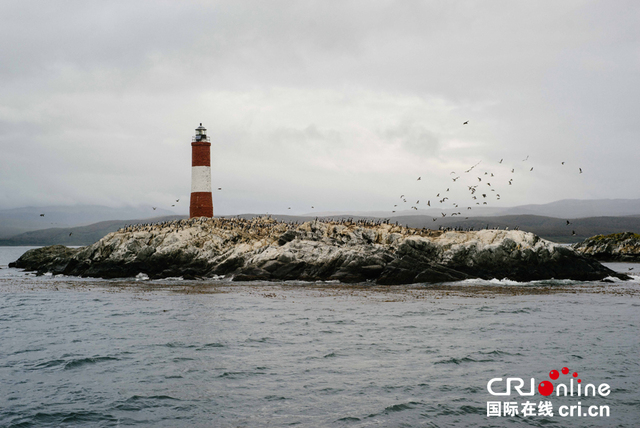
[264, 249]
[618, 247]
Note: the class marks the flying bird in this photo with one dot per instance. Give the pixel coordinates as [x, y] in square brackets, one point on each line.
[580, 170]
[464, 123]
[219, 188]
[177, 200]
[525, 158]
[154, 208]
[41, 215]
[419, 178]
[501, 160]
[531, 169]
[568, 222]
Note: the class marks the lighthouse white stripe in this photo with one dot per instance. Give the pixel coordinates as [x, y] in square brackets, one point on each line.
[200, 179]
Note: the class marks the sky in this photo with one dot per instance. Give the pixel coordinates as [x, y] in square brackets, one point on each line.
[316, 106]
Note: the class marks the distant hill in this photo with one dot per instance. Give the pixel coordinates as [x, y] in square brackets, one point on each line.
[566, 208]
[81, 235]
[19, 220]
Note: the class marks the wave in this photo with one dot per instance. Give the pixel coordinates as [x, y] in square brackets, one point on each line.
[84, 361]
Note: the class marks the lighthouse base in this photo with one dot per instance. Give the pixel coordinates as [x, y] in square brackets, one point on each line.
[201, 205]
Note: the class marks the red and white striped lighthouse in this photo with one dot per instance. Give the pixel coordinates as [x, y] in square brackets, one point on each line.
[201, 200]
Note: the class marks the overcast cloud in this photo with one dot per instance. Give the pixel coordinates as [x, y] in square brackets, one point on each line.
[339, 105]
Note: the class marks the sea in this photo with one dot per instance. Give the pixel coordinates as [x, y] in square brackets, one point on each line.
[82, 352]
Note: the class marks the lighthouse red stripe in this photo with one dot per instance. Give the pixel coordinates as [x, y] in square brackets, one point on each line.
[201, 205]
[200, 154]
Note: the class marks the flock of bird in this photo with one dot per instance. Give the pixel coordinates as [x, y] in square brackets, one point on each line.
[476, 192]
[267, 226]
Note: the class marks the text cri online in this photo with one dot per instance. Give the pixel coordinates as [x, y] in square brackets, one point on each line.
[546, 408]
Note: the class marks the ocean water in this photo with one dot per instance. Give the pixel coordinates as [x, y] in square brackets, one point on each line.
[173, 353]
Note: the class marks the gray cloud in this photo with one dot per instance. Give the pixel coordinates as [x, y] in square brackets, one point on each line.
[336, 105]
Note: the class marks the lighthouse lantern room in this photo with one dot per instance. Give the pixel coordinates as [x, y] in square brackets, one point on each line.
[201, 204]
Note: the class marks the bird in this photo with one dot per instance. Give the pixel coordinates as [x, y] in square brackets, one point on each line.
[41, 215]
[419, 178]
[630, 268]
[435, 218]
[173, 205]
[154, 208]
[513, 170]
[443, 214]
[70, 233]
[219, 188]
[479, 179]
[580, 170]
[177, 200]
[464, 123]
[395, 205]
[501, 160]
[568, 222]
[562, 163]
[531, 169]
[418, 201]
[289, 208]
[429, 203]
[525, 158]
[573, 233]
[401, 196]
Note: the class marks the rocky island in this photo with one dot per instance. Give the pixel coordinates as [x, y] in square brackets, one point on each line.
[617, 247]
[266, 249]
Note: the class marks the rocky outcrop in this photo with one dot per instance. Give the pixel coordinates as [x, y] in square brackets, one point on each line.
[623, 247]
[264, 249]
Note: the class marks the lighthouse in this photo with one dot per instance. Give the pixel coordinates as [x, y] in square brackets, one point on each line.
[201, 204]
